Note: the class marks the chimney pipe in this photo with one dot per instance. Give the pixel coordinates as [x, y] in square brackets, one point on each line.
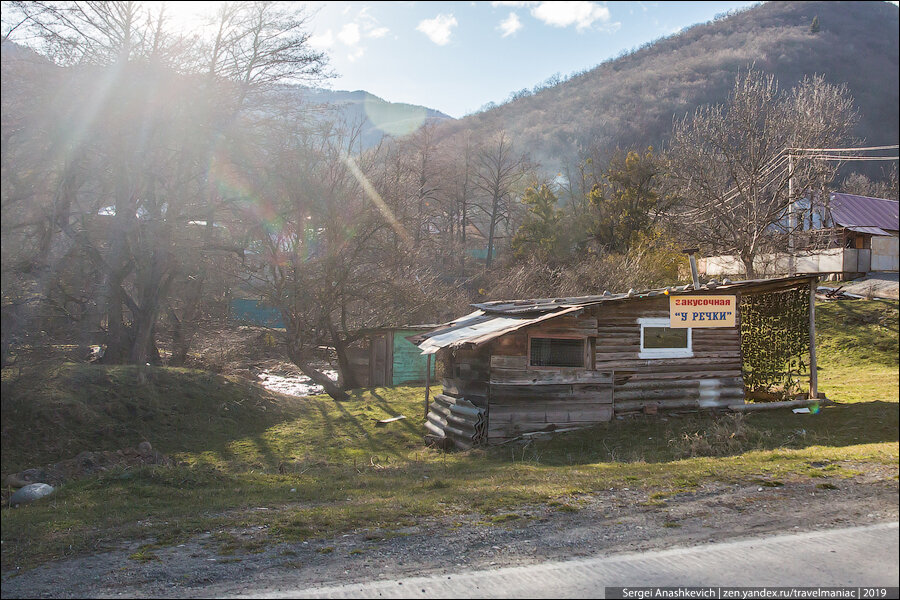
[695, 275]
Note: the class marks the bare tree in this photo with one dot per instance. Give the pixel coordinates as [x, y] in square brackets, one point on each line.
[860, 185]
[498, 169]
[323, 245]
[729, 162]
[149, 126]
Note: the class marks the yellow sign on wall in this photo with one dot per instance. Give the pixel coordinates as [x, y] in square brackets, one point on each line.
[702, 311]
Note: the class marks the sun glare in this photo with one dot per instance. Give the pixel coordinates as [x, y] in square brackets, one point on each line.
[185, 15]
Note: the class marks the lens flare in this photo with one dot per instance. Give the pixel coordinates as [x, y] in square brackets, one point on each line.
[376, 199]
[397, 120]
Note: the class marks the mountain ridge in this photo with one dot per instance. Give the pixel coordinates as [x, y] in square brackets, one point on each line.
[631, 100]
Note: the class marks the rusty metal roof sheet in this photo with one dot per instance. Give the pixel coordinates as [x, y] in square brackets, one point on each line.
[848, 210]
[479, 327]
[537, 305]
[494, 319]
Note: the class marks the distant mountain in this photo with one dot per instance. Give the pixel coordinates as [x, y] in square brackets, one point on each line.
[632, 100]
[379, 116]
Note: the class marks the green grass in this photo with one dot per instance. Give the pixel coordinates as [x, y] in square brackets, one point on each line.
[54, 413]
[857, 350]
[241, 450]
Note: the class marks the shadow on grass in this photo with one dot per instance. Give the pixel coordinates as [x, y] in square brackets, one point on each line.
[393, 412]
[652, 440]
[54, 415]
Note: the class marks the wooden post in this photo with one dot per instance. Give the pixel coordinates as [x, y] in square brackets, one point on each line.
[813, 375]
[427, 381]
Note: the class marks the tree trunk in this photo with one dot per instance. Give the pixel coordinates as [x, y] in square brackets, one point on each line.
[346, 376]
[331, 388]
[749, 269]
[144, 327]
[490, 247]
[117, 335]
[183, 329]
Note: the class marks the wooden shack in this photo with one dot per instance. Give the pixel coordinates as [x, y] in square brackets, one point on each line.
[384, 357]
[556, 363]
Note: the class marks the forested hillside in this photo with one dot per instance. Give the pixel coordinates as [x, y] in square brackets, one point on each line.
[631, 100]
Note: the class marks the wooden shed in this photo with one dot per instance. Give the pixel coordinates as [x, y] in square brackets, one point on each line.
[547, 364]
[386, 358]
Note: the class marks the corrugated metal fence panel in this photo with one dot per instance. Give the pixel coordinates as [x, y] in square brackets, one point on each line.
[409, 363]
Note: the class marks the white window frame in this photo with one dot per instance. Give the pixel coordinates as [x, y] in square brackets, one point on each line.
[664, 352]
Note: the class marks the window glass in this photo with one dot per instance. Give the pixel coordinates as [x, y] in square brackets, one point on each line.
[557, 352]
[665, 337]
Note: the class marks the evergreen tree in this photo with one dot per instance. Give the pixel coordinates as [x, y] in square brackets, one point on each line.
[540, 233]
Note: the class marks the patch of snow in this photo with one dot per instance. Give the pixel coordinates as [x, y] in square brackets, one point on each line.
[293, 385]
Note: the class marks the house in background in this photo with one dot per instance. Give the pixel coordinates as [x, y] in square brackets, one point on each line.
[384, 357]
[847, 236]
[380, 357]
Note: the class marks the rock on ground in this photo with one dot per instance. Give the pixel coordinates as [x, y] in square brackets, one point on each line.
[30, 493]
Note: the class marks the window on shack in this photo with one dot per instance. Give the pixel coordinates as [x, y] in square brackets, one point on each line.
[658, 340]
[556, 352]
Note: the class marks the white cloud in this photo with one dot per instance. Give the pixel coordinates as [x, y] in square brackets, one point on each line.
[564, 14]
[322, 41]
[371, 28]
[349, 34]
[515, 4]
[356, 54]
[439, 28]
[510, 25]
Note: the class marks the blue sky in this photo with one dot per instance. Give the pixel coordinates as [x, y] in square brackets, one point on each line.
[456, 56]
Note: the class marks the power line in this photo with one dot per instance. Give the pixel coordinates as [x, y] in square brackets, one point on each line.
[776, 164]
[842, 149]
[849, 158]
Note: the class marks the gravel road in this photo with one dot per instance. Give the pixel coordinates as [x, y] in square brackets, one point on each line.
[848, 557]
[605, 523]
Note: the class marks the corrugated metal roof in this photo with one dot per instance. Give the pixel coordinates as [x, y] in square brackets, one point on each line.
[494, 319]
[848, 210]
[870, 230]
[478, 327]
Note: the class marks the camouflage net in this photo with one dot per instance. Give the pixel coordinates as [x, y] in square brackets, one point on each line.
[775, 341]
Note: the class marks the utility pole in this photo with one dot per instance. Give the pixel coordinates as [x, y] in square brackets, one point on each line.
[792, 218]
[825, 154]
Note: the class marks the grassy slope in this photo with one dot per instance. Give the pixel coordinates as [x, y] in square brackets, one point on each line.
[857, 350]
[346, 473]
[55, 413]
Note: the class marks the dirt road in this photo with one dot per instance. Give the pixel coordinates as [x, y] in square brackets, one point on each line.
[604, 523]
[850, 557]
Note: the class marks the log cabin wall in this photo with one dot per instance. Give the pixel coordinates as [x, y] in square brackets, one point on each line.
[711, 377]
[466, 374]
[459, 414]
[615, 378]
[525, 398]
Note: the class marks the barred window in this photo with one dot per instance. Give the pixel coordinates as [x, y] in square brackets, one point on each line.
[557, 352]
